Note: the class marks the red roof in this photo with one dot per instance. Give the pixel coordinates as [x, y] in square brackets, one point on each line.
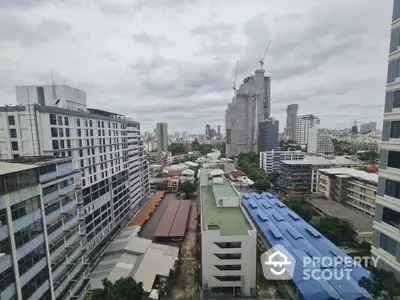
[146, 210]
[237, 173]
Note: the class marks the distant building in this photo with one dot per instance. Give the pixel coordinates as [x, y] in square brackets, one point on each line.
[219, 130]
[268, 135]
[177, 135]
[369, 127]
[300, 176]
[271, 160]
[212, 133]
[354, 129]
[304, 123]
[208, 131]
[228, 239]
[319, 141]
[184, 135]
[250, 105]
[162, 136]
[291, 121]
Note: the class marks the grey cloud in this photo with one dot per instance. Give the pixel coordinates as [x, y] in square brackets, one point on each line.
[216, 30]
[146, 67]
[152, 41]
[13, 29]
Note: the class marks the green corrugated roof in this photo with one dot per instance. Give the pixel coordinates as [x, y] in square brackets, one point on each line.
[224, 190]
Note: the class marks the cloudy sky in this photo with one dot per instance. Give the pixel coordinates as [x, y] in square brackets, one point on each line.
[174, 60]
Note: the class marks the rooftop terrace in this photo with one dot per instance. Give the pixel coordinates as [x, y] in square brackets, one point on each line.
[231, 220]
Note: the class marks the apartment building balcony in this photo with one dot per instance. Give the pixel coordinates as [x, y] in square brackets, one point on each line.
[73, 238]
[40, 291]
[67, 190]
[68, 207]
[79, 285]
[77, 268]
[24, 278]
[57, 270]
[61, 283]
[71, 224]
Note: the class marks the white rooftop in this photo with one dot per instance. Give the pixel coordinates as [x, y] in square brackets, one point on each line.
[136, 257]
[319, 160]
[6, 168]
[351, 173]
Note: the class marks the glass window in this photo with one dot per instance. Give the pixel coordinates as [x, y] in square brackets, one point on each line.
[62, 144]
[59, 120]
[11, 120]
[69, 153]
[50, 189]
[392, 188]
[14, 146]
[396, 100]
[388, 244]
[86, 122]
[32, 258]
[90, 123]
[47, 169]
[79, 132]
[79, 143]
[98, 124]
[34, 284]
[394, 159]
[67, 134]
[395, 129]
[66, 121]
[13, 133]
[53, 119]
[78, 122]
[68, 144]
[28, 233]
[55, 145]
[391, 217]
[6, 278]
[24, 208]
[54, 132]
[61, 132]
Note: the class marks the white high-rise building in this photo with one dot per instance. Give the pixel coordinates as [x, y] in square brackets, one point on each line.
[304, 123]
[162, 136]
[319, 141]
[368, 127]
[105, 147]
[386, 238]
[271, 160]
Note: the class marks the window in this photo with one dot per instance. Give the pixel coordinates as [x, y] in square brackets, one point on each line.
[14, 146]
[395, 129]
[98, 124]
[68, 144]
[86, 123]
[28, 233]
[90, 123]
[79, 132]
[396, 100]
[34, 284]
[78, 122]
[80, 143]
[66, 121]
[392, 188]
[32, 258]
[50, 189]
[59, 120]
[53, 119]
[6, 278]
[391, 217]
[52, 208]
[11, 120]
[394, 159]
[91, 132]
[61, 132]
[67, 133]
[62, 144]
[24, 208]
[13, 133]
[55, 145]
[54, 132]
[388, 244]
[69, 153]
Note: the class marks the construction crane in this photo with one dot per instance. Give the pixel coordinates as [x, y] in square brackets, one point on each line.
[235, 78]
[261, 61]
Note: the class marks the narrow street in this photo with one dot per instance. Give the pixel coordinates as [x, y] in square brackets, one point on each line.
[185, 281]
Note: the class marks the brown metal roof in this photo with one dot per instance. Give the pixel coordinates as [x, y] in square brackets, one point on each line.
[144, 213]
[179, 226]
[174, 220]
[164, 225]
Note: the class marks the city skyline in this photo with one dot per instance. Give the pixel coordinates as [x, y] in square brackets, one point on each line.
[145, 64]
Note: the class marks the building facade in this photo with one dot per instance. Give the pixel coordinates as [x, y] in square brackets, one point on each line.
[162, 136]
[271, 160]
[300, 176]
[106, 147]
[304, 123]
[368, 127]
[319, 141]
[250, 105]
[353, 188]
[386, 239]
[268, 135]
[228, 239]
[291, 121]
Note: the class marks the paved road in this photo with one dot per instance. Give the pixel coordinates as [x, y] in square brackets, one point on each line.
[151, 224]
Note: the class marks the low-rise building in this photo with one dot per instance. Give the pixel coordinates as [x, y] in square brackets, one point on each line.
[159, 157]
[228, 239]
[229, 164]
[187, 175]
[350, 187]
[319, 141]
[300, 176]
[173, 184]
[270, 161]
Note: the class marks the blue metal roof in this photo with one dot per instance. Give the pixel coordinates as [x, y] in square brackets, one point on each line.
[280, 225]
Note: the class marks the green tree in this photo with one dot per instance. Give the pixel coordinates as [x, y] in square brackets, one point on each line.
[381, 285]
[273, 177]
[362, 249]
[250, 164]
[300, 206]
[370, 155]
[122, 289]
[188, 188]
[177, 148]
[262, 185]
[161, 186]
[338, 231]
